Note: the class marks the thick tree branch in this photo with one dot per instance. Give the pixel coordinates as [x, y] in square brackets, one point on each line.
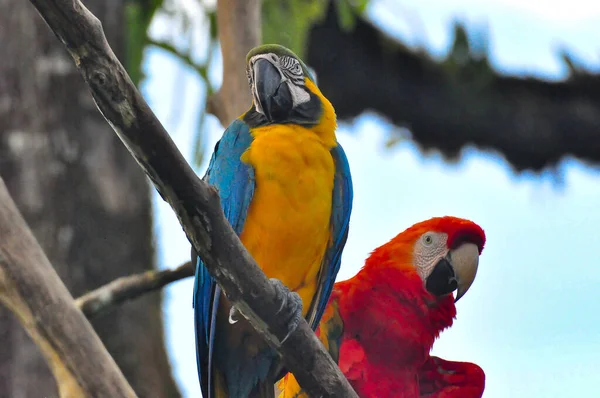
[31, 289]
[196, 203]
[130, 287]
[239, 24]
[453, 103]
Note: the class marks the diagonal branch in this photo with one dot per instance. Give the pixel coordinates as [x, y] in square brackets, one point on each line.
[130, 287]
[196, 203]
[33, 291]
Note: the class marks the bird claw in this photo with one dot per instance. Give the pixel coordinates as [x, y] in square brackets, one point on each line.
[291, 306]
[233, 312]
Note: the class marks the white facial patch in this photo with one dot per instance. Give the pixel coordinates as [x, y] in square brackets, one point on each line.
[299, 95]
[429, 250]
[272, 58]
[291, 74]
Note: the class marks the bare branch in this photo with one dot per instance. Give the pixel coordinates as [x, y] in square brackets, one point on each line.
[196, 203]
[33, 291]
[448, 105]
[130, 287]
[239, 23]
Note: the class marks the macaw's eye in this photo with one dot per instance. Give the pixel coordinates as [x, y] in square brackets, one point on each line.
[427, 239]
[291, 65]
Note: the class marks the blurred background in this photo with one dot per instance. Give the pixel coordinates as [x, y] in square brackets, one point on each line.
[487, 110]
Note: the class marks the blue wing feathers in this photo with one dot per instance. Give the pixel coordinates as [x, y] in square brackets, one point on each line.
[235, 183]
[234, 180]
[340, 220]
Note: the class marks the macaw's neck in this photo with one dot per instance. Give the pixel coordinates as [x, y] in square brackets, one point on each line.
[316, 116]
[327, 124]
[396, 283]
[392, 322]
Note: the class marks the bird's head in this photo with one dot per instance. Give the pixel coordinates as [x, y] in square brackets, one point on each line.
[443, 251]
[283, 89]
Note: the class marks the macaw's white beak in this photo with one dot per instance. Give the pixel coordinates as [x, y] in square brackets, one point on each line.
[455, 271]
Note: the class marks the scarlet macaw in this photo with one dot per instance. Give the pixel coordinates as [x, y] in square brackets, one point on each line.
[380, 325]
[286, 189]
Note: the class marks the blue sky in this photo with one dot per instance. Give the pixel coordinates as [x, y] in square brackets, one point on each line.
[530, 319]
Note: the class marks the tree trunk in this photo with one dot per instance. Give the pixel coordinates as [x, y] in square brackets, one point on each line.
[82, 194]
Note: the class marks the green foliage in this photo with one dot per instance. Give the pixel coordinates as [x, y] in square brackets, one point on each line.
[138, 16]
[347, 11]
[288, 22]
[467, 62]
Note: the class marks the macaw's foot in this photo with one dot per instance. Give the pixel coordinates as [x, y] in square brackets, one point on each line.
[291, 307]
[234, 315]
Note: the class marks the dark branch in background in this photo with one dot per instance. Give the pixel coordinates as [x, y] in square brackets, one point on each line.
[453, 103]
[239, 23]
[33, 291]
[196, 203]
[130, 287]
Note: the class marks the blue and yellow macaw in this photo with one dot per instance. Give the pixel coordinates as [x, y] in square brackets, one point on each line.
[286, 189]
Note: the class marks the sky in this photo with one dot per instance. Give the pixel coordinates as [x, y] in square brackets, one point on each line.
[531, 319]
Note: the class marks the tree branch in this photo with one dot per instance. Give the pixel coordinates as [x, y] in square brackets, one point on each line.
[195, 202]
[33, 291]
[452, 103]
[130, 287]
[239, 23]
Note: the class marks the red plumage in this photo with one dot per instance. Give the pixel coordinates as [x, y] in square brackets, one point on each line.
[439, 378]
[382, 323]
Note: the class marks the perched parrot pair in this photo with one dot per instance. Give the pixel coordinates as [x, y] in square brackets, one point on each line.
[286, 189]
[380, 325]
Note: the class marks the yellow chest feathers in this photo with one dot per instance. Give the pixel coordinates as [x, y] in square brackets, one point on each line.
[287, 227]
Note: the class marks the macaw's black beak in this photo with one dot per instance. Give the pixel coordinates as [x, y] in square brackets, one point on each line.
[442, 280]
[456, 271]
[271, 95]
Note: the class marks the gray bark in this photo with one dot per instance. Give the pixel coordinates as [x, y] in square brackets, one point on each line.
[85, 199]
